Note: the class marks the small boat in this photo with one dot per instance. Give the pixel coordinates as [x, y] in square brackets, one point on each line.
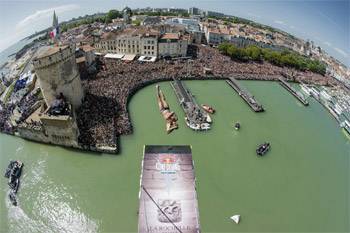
[237, 126]
[235, 218]
[263, 149]
[13, 173]
[208, 109]
[205, 126]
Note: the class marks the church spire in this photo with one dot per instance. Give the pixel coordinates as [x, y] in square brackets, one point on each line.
[55, 20]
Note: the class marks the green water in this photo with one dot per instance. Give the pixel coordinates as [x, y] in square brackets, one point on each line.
[302, 184]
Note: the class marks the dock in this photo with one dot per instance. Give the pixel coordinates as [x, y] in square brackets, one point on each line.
[296, 94]
[246, 96]
[196, 118]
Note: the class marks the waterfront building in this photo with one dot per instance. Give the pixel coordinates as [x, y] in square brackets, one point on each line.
[143, 42]
[190, 25]
[172, 45]
[85, 58]
[57, 72]
[129, 41]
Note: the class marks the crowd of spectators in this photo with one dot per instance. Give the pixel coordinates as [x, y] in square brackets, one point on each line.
[5, 114]
[104, 112]
[104, 115]
[25, 107]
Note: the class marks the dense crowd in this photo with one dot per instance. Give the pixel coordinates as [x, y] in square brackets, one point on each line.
[25, 107]
[5, 114]
[98, 119]
[104, 115]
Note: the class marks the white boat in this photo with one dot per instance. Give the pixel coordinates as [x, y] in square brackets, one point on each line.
[192, 126]
[208, 118]
[205, 126]
[305, 89]
[235, 218]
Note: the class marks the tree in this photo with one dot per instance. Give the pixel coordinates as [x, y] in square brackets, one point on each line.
[112, 14]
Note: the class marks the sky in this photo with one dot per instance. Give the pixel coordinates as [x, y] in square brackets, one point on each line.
[326, 22]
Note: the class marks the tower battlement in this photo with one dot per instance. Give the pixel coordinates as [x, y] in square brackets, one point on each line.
[53, 55]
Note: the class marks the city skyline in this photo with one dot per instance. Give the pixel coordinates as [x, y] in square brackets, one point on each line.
[324, 22]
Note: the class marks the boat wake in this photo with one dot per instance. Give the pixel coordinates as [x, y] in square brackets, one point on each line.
[45, 206]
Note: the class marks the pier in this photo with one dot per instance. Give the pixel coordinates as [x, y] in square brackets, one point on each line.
[296, 94]
[246, 96]
[196, 118]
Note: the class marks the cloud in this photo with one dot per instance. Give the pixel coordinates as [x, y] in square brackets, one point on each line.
[292, 27]
[45, 14]
[280, 22]
[340, 51]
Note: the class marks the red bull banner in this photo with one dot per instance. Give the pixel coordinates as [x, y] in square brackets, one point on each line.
[168, 198]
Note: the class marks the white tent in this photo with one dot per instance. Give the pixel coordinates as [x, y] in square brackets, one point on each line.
[114, 55]
[129, 57]
[148, 58]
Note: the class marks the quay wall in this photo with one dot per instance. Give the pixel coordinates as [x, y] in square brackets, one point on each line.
[40, 136]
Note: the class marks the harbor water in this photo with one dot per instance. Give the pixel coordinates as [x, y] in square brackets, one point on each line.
[300, 185]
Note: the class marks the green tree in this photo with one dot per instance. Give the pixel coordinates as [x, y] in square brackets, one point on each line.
[112, 14]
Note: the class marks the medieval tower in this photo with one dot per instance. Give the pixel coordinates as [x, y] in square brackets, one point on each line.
[57, 71]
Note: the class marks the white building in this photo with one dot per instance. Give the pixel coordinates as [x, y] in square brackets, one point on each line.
[173, 45]
[143, 42]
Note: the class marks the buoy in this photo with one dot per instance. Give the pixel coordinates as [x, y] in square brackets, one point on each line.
[235, 218]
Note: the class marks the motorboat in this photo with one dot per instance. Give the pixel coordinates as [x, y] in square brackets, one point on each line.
[208, 109]
[13, 173]
[9, 169]
[237, 126]
[235, 218]
[14, 169]
[263, 149]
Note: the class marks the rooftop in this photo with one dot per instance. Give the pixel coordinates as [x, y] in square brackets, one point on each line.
[49, 50]
[173, 36]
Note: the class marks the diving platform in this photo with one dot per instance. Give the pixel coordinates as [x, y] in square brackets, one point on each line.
[296, 94]
[246, 96]
[168, 198]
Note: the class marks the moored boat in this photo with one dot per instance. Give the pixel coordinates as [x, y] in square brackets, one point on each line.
[208, 108]
[205, 126]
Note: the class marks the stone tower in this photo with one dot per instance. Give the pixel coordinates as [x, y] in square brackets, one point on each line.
[57, 71]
